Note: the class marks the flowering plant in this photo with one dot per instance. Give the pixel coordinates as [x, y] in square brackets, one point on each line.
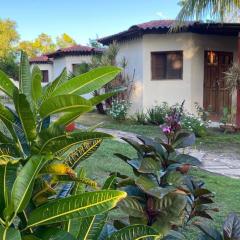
[119, 108]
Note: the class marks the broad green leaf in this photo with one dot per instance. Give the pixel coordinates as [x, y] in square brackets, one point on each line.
[78, 206]
[64, 103]
[135, 232]
[187, 159]
[98, 99]
[90, 228]
[149, 185]
[25, 81]
[69, 117]
[26, 116]
[6, 85]
[170, 211]
[11, 234]
[55, 234]
[231, 227]
[8, 118]
[36, 83]
[88, 82]
[59, 144]
[52, 86]
[8, 173]
[133, 208]
[23, 185]
[83, 152]
[210, 232]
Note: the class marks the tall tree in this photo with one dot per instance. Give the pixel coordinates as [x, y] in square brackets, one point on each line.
[202, 9]
[8, 37]
[64, 41]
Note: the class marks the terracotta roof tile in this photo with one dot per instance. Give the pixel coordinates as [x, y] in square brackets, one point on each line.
[40, 59]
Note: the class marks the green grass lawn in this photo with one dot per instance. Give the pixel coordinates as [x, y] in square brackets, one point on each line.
[227, 190]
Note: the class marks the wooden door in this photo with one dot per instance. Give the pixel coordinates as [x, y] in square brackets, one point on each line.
[216, 96]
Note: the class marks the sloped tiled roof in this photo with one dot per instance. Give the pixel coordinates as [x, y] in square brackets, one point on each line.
[41, 59]
[75, 50]
[163, 26]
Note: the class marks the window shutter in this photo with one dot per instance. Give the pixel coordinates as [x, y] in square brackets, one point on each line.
[158, 66]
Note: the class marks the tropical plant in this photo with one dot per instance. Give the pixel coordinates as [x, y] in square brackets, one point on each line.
[38, 157]
[162, 195]
[199, 9]
[118, 110]
[230, 230]
[232, 77]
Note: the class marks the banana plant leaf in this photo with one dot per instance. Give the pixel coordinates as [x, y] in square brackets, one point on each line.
[25, 81]
[36, 84]
[11, 234]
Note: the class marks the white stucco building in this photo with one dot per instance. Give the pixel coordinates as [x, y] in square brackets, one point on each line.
[175, 66]
[52, 64]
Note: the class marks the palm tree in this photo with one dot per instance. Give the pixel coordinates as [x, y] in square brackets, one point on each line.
[217, 10]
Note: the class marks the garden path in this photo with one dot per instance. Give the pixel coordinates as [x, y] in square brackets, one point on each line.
[227, 164]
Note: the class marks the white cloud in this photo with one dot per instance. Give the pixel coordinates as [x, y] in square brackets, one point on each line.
[161, 14]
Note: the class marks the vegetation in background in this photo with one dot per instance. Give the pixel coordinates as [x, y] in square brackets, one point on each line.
[119, 109]
[8, 38]
[158, 114]
[200, 9]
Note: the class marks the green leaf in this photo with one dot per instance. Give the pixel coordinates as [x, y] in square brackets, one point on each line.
[133, 208]
[79, 206]
[23, 185]
[135, 232]
[64, 103]
[210, 232]
[67, 118]
[6, 85]
[184, 139]
[8, 173]
[25, 81]
[231, 227]
[98, 99]
[36, 83]
[8, 119]
[61, 143]
[55, 234]
[170, 211]
[149, 185]
[83, 152]
[187, 159]
[26, 116]
[11, 234]
[88, 82]
[90, 228]
[52, 86]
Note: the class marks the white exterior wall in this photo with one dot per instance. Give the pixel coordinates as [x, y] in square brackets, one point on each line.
[190, 88]
[133, 52]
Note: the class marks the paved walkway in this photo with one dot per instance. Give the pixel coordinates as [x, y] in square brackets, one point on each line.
[227, 164]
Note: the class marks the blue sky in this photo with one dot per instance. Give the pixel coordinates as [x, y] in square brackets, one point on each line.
[83, 19]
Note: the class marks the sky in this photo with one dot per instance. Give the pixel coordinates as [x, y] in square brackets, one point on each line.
[83, 19]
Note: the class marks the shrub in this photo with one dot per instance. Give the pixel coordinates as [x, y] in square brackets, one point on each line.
[118, 110]
[140, 117]
[156, 115]
[162, 194]
[194, 124]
